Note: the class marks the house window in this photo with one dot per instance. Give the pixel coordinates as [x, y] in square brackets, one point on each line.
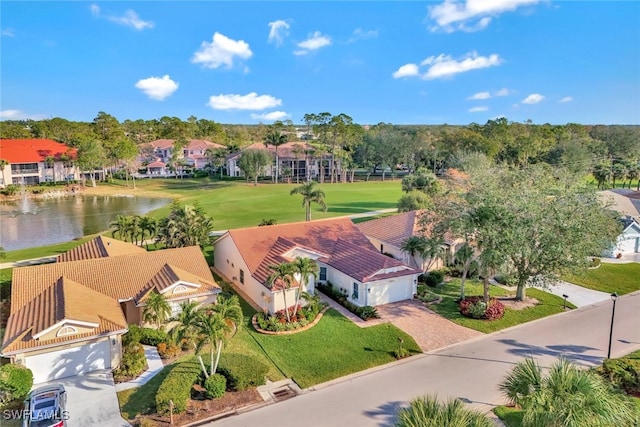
[66, 330]
[175, 308]
[323, 274]
[242, 276]
[355, 294]
[179, 288]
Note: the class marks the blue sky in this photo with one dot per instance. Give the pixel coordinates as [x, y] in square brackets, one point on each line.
[402, 62]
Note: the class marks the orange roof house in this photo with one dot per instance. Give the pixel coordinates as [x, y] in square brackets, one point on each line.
[345, 256]
[79, 306]
[32, 150]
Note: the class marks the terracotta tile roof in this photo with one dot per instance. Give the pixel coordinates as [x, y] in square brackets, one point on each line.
[255, 243]
[393, 229]
[156, 164]
[99, 247]
[63, 300]
[363, 264]
[169, 275]
[120, 277]
[32, 150]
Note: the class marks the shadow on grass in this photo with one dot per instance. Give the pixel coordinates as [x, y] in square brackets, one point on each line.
[142, 401]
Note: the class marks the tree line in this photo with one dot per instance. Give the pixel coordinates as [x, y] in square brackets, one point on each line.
[341, 145]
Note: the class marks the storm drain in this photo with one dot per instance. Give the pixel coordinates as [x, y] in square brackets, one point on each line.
[282, 394]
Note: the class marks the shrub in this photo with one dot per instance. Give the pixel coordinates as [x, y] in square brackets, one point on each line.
[367, 312]
[215, 386]
[15, 382]
[242, 371]
[133, 362]
[428, 296]
[623, 373]
[150, 336]
[474, 305]
[167, 350]
[177, 386]
[133, 336]
[10, 190]
[434, 278]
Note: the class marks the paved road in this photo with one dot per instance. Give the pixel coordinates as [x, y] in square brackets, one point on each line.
[469, 371]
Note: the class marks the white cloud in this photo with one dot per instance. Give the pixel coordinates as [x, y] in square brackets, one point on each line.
[407, 70]
[157, 88]
[534, 98]
[274, 115]
[566, 99]
[19, 115]
[221, 51]
[502, 92]
[471, 15]
[478, 109]
[9, 32]
[129, 19]
[250, 101]
[445, 66]
[360, 34]
[314, 42]
[278, 30]
[480, 95]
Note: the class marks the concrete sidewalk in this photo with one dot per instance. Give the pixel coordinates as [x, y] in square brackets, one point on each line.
[577, 295]
[154, 364]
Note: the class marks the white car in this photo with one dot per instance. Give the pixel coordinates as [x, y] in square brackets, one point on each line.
[46, 407]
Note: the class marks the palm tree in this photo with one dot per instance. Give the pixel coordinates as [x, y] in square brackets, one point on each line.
[3, 164]
[310, 194]
[305, 267]
[413, 245]
[214, 324]
[275, 138]
[134, 229]
[282, 278]
[465, 256]
[121, 225]
[429, 412]
[634, 173]
[148, 226]
[157, 309]
[567, 396]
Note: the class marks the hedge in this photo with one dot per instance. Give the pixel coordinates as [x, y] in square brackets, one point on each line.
[177, 387]
[215, 386]
[152, 336]
[15, 382]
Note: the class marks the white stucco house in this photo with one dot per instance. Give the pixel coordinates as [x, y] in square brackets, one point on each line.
[628, 242]
[627, 204]
[344, 255]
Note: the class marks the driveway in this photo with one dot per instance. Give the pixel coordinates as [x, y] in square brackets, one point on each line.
[91, 400]
[430, 330]
[577, 295]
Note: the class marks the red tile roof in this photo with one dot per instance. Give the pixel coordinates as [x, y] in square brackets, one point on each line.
[99, 247]
[395, 229]
[32, 150]
[192, 144]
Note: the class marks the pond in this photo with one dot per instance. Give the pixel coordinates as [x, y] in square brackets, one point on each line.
[31, 223]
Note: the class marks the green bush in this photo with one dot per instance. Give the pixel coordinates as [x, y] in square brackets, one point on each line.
[367, 312]
[150, 336]
[428, 296]
[242, 371]
[133, 361]
[15, 382]
[623, 373]
[177, 386]
[167, 350]
[478, 309]
[133, 336]
[434, 278]
[215, 386]
[10, 190]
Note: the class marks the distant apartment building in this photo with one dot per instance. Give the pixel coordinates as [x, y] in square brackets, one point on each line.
[194, 153]
[33, 161]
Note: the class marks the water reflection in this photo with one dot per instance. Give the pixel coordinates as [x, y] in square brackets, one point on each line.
[61, 220]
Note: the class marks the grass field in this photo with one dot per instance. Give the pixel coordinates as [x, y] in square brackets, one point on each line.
[234, 204]
[548, 305]
[619, 278]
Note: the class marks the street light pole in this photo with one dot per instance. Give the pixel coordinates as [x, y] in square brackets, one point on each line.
[614, 297]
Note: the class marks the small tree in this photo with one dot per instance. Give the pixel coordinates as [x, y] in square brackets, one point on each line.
[282, 279]
[252, 162]
[156, 309]
[15, 382]
[310, 194]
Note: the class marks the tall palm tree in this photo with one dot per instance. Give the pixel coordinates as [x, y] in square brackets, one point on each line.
[310, 194]
[429, 412]
[121, 225]
[156, 310]
[414, 245]
[148, 227]
[282, 278]
[567, 396]
[133, 230]
[275, 138]
[214, 324]
[305, 267]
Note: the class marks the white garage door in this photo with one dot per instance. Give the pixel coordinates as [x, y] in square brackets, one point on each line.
[629, 246]
[390, 292]
[70, 361]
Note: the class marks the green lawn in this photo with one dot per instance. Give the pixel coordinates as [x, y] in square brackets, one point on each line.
[620, 278]
[43, 251]
[548, 304]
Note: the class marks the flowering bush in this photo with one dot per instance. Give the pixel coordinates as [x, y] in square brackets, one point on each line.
[476, 308]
